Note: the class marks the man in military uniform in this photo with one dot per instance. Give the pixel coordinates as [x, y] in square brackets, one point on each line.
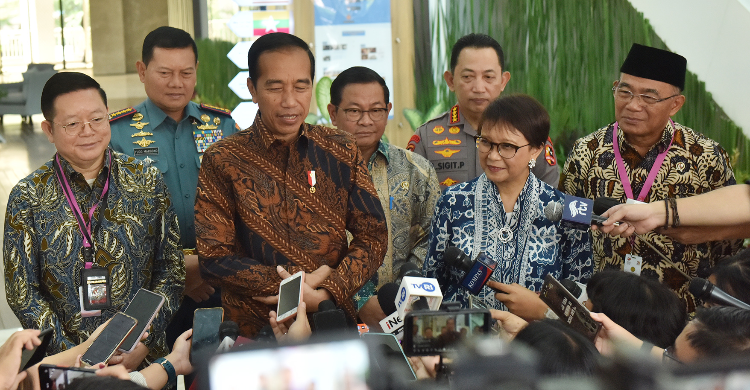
[477, 78]
[171, 132]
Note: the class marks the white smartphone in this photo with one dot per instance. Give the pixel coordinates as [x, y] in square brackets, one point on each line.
[290, 295]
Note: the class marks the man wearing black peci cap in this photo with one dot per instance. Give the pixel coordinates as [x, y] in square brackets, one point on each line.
[645, 156]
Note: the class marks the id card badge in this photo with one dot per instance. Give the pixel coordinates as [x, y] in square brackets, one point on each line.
[95, 289]
[633, 201]
[633, 264]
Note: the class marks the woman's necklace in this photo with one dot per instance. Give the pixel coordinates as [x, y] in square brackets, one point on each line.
[505, 234]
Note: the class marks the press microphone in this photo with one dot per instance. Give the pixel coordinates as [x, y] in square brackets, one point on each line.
[707, 291]
[477, 272]
[392, 323]
[418, 293]
[387, 293]
[228, 333]
[329, 318]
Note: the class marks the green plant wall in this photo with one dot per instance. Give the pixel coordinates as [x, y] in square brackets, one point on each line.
[566, 54]
[215, 71]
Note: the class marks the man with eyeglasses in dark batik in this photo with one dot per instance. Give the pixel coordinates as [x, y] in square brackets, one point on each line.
[87, 216]
[406, 182]
[647, 157]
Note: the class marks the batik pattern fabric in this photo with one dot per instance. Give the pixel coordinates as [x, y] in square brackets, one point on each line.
[694, 164]
[470, 216]
[138, 242]
[408, 189]
[257, 207]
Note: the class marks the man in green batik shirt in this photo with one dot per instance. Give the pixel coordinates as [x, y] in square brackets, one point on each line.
[407, 184]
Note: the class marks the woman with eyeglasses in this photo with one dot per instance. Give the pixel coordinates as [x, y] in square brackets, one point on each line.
[509, 215]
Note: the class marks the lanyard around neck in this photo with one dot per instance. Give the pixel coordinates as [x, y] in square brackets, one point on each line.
[651, 175]
[84, 227]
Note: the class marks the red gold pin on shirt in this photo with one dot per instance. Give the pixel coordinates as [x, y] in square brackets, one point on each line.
[311, 181]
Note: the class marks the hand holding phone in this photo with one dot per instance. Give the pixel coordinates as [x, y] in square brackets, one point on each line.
[105, 345]
[568, 309]
[290, 295]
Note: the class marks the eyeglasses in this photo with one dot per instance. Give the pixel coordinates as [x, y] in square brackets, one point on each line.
[669, 357]
[75, 128]
[624, 95]
[505, 150]
[355, 114]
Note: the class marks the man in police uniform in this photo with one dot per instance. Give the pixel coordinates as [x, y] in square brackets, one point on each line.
[477, 78]
[171, 132]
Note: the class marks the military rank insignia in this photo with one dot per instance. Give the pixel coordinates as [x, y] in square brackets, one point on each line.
[438, 130]
[454, 130]
[454, 115]
[448, 182]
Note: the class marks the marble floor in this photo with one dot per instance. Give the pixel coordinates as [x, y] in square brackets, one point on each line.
[25, 148]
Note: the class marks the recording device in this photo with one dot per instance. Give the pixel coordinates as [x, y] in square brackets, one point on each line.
[707, 291]
[205, 338]
[604, 203]
[416, 293]
[567, 308]
[393, 323]
[477, 272]
[460, 324]
[112, 336]
[228, 333]
[30, 357]
[144, 307]
[290, 295]
[316, 363]
[392, 360]
[52, 377]
[329, 318]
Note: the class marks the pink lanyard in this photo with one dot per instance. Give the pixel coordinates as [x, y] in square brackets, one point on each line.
[71, 198]
[651, 175]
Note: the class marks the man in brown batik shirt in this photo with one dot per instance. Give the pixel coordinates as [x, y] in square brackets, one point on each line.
[283, 193]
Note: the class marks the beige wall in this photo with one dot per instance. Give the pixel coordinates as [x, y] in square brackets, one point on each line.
[118, 28]
[398, 130]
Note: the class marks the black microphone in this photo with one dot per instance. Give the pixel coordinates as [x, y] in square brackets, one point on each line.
[228, 333]
[707, 291]
[477, 272]
[604, 203]
[329, 318]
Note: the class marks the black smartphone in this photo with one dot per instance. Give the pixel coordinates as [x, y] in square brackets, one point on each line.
[105, 345]
[30, 357]
[206, 324]
[567, 308]
[434, 332]
[144, 307]
[52, 377]
[391, 358]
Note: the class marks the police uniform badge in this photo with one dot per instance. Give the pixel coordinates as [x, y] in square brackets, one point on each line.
[413, 141]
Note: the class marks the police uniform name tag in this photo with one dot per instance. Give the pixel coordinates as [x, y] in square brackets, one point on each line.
[205, 138]
[95, 289]
[137, 152]
[633, 264]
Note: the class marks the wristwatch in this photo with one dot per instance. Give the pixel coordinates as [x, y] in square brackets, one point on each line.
[171, 373]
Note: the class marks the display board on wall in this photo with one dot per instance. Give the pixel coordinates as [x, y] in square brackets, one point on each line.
[353, 33]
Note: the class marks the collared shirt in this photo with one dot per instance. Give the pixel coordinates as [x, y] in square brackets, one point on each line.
[693, 165]
[408, 190]
[138, 242]
[471, 217]
[258, 206]
[173, 147]
[448, 143]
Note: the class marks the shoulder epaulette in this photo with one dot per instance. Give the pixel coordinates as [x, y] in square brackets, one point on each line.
[216, 109]
[455, 117]
[121, 114]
